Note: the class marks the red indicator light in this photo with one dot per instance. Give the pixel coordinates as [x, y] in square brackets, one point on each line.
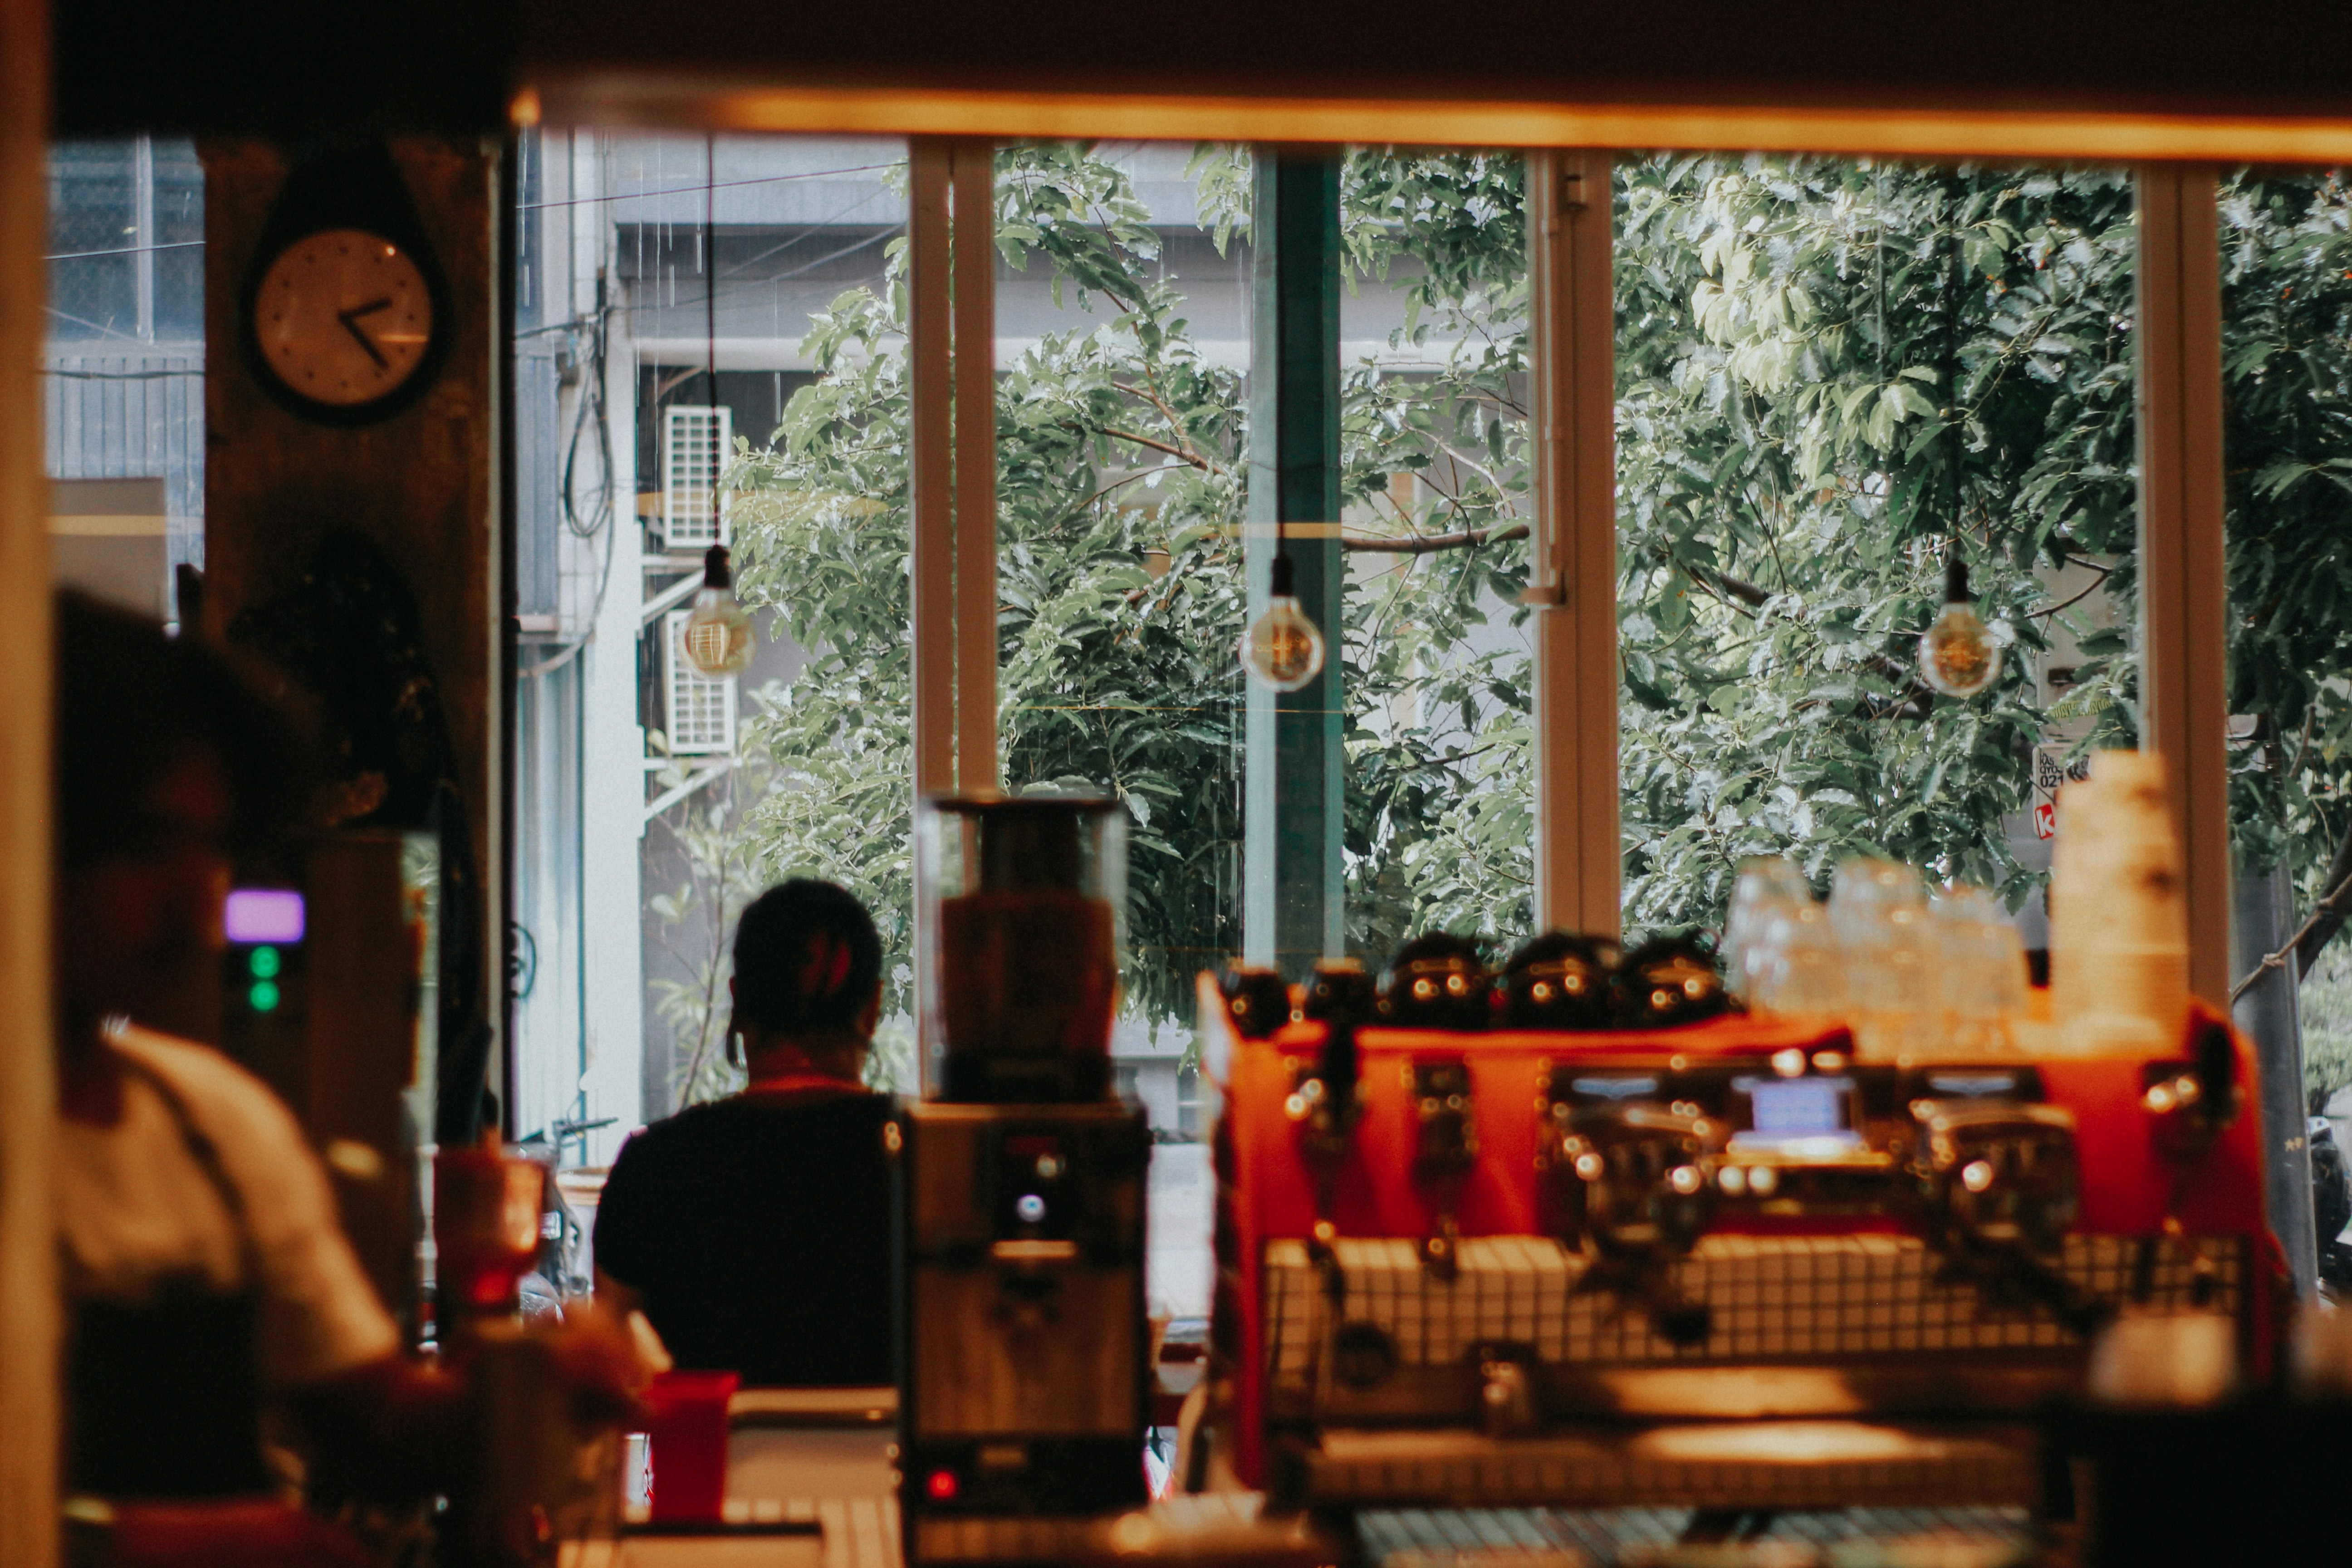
[942, 1486]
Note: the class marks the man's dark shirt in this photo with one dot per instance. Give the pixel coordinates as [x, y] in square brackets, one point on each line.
[756, 1230]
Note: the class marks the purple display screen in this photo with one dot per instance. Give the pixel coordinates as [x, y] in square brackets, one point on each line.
[1803, 1117]
[1799, 1108]
[263, 914]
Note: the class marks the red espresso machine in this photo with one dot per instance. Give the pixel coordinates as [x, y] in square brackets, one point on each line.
[1721, 1265]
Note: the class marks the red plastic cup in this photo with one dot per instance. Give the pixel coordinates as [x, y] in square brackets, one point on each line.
[688, 1432]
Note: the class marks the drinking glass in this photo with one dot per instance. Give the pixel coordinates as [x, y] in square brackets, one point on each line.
[1768, 887]
[1794, 966]
[1982, 961]
[1878, 915]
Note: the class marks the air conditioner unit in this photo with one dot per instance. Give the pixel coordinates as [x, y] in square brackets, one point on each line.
[700, 709]
[696, 445]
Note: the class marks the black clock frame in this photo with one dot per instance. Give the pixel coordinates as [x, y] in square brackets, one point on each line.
[362, 190]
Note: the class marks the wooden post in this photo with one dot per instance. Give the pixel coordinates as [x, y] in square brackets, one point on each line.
[1293, 904]
[931, 478]
[2184, 589]
[28, 1290]
[421, 488]
[952, 332]
[930, 503]
[1572, 578]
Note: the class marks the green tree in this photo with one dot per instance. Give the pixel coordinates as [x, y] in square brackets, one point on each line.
[2287, 377]
[1830, 374]
[696, 924]
[1114, 440]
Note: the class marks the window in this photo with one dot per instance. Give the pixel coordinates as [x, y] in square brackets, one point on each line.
[677, 293]
[1191, 1097]
[1833, 375]
[1122, 352]
[697, 443]
[123, 372]
[2286, 385]
[1436, 506]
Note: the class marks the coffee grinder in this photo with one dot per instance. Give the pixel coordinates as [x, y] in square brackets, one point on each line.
[1021, 1392]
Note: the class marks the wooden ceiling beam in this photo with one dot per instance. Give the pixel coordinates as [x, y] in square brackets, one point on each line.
[603, 97]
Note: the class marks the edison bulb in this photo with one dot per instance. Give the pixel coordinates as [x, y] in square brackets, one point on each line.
[717, 637]
[1957, 655]
[1282, 648]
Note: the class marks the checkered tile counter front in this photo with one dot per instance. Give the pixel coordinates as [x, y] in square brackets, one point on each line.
[1737, 1464]
[1638, 1537]
[1770, 1297]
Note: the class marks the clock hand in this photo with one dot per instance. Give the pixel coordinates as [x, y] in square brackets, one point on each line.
[350, 320]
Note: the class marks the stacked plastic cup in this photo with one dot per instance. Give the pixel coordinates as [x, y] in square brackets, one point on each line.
[2118, 922]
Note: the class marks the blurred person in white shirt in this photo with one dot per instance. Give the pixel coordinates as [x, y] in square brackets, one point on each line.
[207, 1277]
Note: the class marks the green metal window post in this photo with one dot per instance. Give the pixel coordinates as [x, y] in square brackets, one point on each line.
[1293, 897]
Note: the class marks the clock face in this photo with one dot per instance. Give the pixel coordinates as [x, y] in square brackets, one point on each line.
[343, 316]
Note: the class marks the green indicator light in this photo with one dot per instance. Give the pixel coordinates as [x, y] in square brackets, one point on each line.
[264, 995]
[264, 962]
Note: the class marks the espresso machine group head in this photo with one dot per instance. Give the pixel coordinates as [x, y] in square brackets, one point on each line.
[1021, 1181]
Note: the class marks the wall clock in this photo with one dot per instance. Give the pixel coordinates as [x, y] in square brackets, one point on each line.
[345, 316]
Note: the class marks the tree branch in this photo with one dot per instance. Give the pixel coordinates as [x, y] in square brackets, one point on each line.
[1194, 458]
[1150, 394]
[1912, 698]
[1121, 484]
[1467, 461]
[2328, 918]
[1748, 594]
[1425, 543]
[2067, 604]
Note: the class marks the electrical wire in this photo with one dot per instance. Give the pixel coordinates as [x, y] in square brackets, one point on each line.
[602, 515]
[125, 251]
[196, 371]
[591, 405]
[691, 190]
[710, 301]
[594, 333]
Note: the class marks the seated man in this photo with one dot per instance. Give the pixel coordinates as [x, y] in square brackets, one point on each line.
[755, 1231]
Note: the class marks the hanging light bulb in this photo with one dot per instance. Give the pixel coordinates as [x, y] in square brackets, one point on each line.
[718, 634]
[1957, 655]
[1282, 648]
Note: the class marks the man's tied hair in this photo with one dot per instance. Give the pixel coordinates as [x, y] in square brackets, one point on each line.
[806, 958]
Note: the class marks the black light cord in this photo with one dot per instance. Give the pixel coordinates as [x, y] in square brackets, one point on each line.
[710, 300]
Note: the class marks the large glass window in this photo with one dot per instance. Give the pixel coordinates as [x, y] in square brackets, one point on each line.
[1834, 375]
[818, 513]
[675, 295]
[1435, 445]
[122, 369]
[1123, 355]
[2286, 275]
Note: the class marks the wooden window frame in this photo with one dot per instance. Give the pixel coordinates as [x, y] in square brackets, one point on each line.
[951, 393]
[1579, 857]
